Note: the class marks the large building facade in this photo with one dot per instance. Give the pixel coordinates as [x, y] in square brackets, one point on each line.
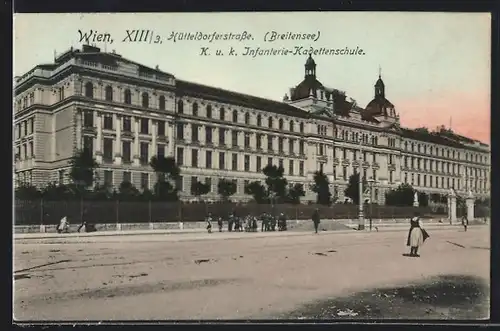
[126, 113]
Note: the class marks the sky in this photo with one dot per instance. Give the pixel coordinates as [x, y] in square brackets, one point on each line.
[435, 66]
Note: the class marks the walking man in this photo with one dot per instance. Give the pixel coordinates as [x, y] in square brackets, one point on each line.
[316, 219]
[465, 222]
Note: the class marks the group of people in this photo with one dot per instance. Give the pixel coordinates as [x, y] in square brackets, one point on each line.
[248, 223]
[63, 226]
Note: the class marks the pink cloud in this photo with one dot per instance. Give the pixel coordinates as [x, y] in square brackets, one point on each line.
[470, 114]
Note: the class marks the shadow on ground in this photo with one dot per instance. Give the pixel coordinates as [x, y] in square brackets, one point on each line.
[444, 297]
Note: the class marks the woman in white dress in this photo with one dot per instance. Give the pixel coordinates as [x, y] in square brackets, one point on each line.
[416, 236]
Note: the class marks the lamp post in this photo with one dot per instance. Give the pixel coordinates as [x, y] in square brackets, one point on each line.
[361, 218]
[371, 181]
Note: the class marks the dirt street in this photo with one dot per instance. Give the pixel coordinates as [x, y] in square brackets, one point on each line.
[165, 277]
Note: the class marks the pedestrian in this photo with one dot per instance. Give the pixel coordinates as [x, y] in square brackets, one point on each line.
[83, 226]
[416, 236]
[230, 223]
[63, 225]
[316, 219]
[208, 219]
[465, 222]
[219, 223]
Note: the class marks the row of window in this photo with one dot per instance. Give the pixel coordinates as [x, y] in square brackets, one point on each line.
[445, 167]
[24, 151]
[439, 182]
[25, 128]
[424, 149]
[26, 101]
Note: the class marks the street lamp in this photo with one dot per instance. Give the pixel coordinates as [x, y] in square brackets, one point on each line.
[371, 181]
[361, 218]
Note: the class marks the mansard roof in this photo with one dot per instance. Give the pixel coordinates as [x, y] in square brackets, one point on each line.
[430, 137]
[240, 99]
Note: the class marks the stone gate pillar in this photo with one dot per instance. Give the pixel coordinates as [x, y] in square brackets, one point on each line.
[453, 206]
[470, 206]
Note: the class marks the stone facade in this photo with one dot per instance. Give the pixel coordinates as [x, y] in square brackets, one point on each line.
[126, 113]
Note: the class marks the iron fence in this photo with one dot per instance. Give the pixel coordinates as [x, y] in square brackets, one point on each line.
[99, 212]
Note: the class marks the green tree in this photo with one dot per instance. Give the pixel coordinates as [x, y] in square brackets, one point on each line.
[83, 167]
[167, 171]
[257, 191]
[276, 183]
[294, 193]
[352, 190]
[423, 199]
[403, 195]
[226, 188]
[321, 187]
[199, 188]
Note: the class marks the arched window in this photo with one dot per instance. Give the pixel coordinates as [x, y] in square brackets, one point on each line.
[195, 109]
[161, 102]
[291, 126]
[280, 124]
[270, 122]
[222, 114]
[109, 93]
[89, 90]
[145, 100]
[247, 118]
[209, 111]
[127, 97]
[259, 120]
[301, 127]
[235, 116]
[180, 107]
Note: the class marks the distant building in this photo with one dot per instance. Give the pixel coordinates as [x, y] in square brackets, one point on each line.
[126, 112]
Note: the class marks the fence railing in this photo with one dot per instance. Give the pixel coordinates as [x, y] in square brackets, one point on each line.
[50, 212]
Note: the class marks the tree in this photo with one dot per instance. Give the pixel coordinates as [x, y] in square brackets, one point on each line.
[403, 195]
[257, 191]
[127, 191]
[166, 170]
[321, 187]
[276, 183]
[423, 199]
[352, 190]
[226, 188]
[435, 197]
[294, 193]
[198, 188]
[27, 192]
[83, 167]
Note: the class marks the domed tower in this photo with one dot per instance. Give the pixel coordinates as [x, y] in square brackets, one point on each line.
[310, 67]
[310, 86]
[380, 106]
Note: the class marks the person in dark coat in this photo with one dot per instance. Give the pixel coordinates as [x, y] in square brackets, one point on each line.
[465, 222]
[316, 219]
[219, 223]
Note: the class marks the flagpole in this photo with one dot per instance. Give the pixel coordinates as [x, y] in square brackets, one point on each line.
[361, 218]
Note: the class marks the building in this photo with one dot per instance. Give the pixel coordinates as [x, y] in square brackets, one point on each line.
[126, 112]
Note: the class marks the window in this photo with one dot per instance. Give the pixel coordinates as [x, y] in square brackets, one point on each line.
[127, 176]
[269, 161]
[247, 162]
[270, 122]
[194, 133]
[161, 128]
[126, 152]
[247, 140]
[208, 135]
[194, 180]
[259, 164]
[208, 182]
[280, 163]
[108, 93]
[222, 114]
[280, 124]
[88, 144]
[270, 143]
[61, 95]
[291, 145]
[208, 159]
[180, 107]
[234, 161]
[301, 128]
[194, 158]
[222, 161]
[235, 116]
[127, 124]
[222, 136]
[145, 100]
[144, 126]
[89, 90]
[144, 180]
[280, 145]
[259, 120]
[108, 122]
[108, 178]
[107, 150]
[234, 138]
[180, 156]
[247, 118]
[32, 151]
[259, 141]
[195, 109]
[144, 158]
[127, 97]
[160, 150]
[301, 168]
[161, 102]
[180, 131]
[344, 173]
[209, 111]
[290, 167]
[179, 183]
[291, 126]
[61, 177]
[301, 147]
[88, 119]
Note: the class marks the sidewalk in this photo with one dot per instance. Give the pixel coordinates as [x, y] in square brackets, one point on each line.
[381, 228]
